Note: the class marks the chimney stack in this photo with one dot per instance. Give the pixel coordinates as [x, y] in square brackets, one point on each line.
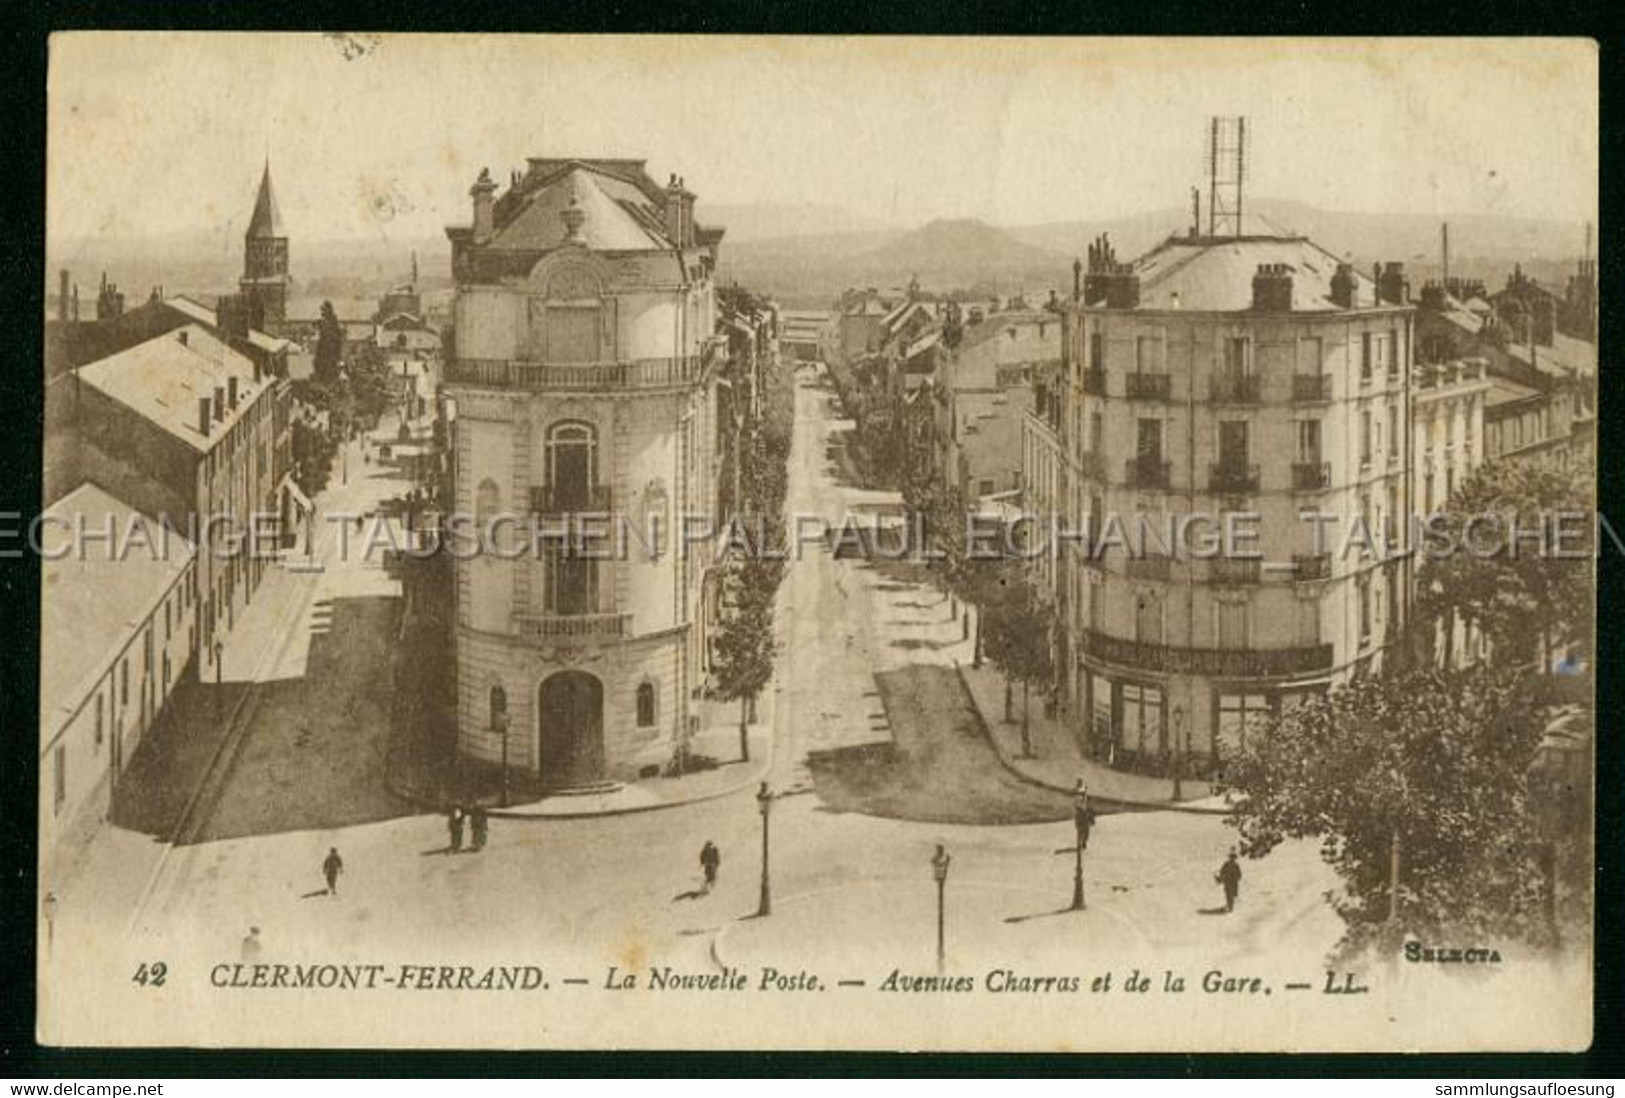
[1272, 288]
[1343, 284]
[181, 335]
[203, 419]
[220, 402]
[483, 192]
[1393, 288]
[1077, 279]
[1109, 283]
[675, 220]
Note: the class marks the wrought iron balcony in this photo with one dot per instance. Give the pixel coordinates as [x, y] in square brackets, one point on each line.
[1237, 388]
[1147, 568]
[553, 499]
[1094, 381]
[565, 627]
[635, 373]
[1311, 388]
[1315, 566]
[1243, 572]
[1147, 386]
[1311, 476]
[1218, 662]
[1147, 471]
[1232, 477]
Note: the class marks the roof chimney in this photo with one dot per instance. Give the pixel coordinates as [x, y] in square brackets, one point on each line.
[675, 226]
[220, 402]
[483, 193]
[1343, 284]
[181, 336]
[1393, 288]
[203, 416]
[1272, 288]
[1110, 283]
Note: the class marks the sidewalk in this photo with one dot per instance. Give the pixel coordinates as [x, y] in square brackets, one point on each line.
[1059, 762]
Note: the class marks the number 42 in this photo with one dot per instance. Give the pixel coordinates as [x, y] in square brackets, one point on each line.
[151, 975]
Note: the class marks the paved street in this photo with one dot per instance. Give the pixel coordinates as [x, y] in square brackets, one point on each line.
[850, 855]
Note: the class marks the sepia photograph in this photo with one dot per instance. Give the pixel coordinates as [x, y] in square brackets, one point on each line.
[727, 543]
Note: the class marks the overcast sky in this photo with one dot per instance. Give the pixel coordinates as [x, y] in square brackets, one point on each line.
[162, 133]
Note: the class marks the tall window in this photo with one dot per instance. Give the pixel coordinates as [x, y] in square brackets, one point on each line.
[1310, 353]
[1233, 626]
[1097, 433]
[572, 465]
[498, 706]
[1148, 354]
[1365, 438]
[1309, 441]
[1393, 432]
[1365, 357]
[1239, 715]
[1364, 586]
[1233, 443]
[1148, 440]
[1393, 355]
[1097, 351]
[1148, 618]
[1238, 358]
[101, 726]
[646, 704]
[59, 785]
[572, 579]
[1142, 719]
[1308, 624]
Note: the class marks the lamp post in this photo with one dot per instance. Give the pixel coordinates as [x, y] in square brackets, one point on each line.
[1179, 752]
[1082, 821]
[501, 723]
[939, 870]
[764, 803]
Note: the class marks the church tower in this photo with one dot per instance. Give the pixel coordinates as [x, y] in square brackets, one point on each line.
[265, 259]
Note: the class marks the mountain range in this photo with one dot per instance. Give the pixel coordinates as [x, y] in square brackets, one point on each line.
[806, 253]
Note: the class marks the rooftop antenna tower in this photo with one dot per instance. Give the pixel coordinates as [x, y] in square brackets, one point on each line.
[1227, 171]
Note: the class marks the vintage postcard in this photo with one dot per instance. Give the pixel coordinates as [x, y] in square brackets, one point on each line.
[759, 543]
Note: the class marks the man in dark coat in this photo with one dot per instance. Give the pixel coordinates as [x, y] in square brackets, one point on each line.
[454, 826]
[1229, 875]
[331, 868]
[478, 824]
[710, 859]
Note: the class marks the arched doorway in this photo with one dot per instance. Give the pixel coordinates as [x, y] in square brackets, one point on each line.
[570, 735]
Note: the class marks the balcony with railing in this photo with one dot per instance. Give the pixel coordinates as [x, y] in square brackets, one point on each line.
[1232, 477]
[1234, 572]
[1218, 662]
[1237, 388]
[1148, 568]
[1140, 386]
[1146, 471]
[1311, 476]
[573, 627]
[553, 499]
[1311, 388]
[1094, 381]
[1311, 566]
[634, 373]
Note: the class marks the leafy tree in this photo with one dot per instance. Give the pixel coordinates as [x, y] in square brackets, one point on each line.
[313, 452]
[329, 344]
[1527, 598]
[1019, 628]
[1414, 782]
[743, 650]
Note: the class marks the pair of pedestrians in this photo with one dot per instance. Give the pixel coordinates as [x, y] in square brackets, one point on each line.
[477, 822]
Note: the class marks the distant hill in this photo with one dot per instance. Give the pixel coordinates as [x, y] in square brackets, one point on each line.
[748, 222]
[960, 249]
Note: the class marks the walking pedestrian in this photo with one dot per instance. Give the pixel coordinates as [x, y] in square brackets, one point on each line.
[331, 868]
[454, 823]
[710, 861]
[1229, 875]
[251, 946]
[480, 823]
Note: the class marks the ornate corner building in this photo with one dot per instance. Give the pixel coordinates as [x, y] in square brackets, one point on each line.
[583, 381]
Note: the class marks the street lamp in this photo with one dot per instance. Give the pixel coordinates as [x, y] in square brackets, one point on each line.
[939, 870]
[1082, 820]
[764, 803]
[1179, 751]
[500, 721]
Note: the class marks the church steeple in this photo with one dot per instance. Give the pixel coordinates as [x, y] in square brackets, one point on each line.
[265, 258]
[267, 219]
